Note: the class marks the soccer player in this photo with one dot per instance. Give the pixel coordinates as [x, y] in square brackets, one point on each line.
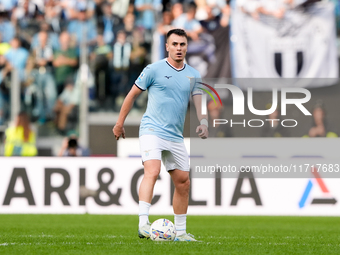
[169, 82]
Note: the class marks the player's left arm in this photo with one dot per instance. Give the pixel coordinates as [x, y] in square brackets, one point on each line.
[202, 129]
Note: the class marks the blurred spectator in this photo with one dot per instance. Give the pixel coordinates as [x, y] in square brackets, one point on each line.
[100, 59]
[201, 46]
[52, 39]
[212, 22]
[25, 13]
[226, 11]
[128, 26]
[65, 61]
[98, 9]
[215, 111]
[107, 23]
[30, 88]
[71, 8]
[121, 52]
[121, 62]
[16, 57]
[88, 5]
[188, 22]
[27, 19]
[165, 25]
[39, 3]
[67, 11]
[272, 127]
[7, 29]
[177, 10]
[44, 80]
[217, 6]
[4, 91]
[71, 148]
[4, 47]
[166, 5]
[320, 127]
[77, 26]
[66, 106]
[8, 5]
[159, 37]
[53, 12]
[20, 138]
[25, 10]
[137, 56]
[218, 27]
[119, 8]
[145, 13]
[337, 15]
[148, 12]
[201, 12]
[4, 96]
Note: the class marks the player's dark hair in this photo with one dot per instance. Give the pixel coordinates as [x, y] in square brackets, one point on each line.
[176, 31]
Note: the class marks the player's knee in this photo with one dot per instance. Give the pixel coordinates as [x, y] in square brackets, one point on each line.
[183, 184]
[151, 174]
[186, 185]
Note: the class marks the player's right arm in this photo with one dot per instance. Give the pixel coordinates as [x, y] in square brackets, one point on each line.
[118, 129]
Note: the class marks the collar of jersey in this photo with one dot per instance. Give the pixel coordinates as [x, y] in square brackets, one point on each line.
[178, 70]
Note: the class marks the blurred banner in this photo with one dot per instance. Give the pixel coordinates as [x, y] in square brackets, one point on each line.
[110, 186]
[301, 44]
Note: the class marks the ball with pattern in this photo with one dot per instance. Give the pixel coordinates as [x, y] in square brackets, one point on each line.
[162, 230]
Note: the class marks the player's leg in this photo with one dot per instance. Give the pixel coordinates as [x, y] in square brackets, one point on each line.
[151, 171]
[180, 203]
[151, 156]
[178, 160]
[181, 195]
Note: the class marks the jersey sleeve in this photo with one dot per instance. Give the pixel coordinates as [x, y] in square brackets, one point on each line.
[145, 79]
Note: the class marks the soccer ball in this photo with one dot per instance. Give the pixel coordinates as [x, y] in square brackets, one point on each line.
[162, 230]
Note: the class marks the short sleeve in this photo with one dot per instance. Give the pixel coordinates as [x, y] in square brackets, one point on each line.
[145, 79]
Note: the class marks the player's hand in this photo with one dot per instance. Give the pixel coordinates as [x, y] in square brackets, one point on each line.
[118, 131]
[202, 131]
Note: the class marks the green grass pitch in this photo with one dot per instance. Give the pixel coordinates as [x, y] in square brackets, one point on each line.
[117, 234]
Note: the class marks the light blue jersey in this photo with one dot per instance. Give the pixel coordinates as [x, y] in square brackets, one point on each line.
[169, 91]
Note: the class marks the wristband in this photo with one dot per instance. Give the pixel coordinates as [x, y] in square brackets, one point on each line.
[204, 122]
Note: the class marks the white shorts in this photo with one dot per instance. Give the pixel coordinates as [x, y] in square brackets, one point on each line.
[174, 155]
